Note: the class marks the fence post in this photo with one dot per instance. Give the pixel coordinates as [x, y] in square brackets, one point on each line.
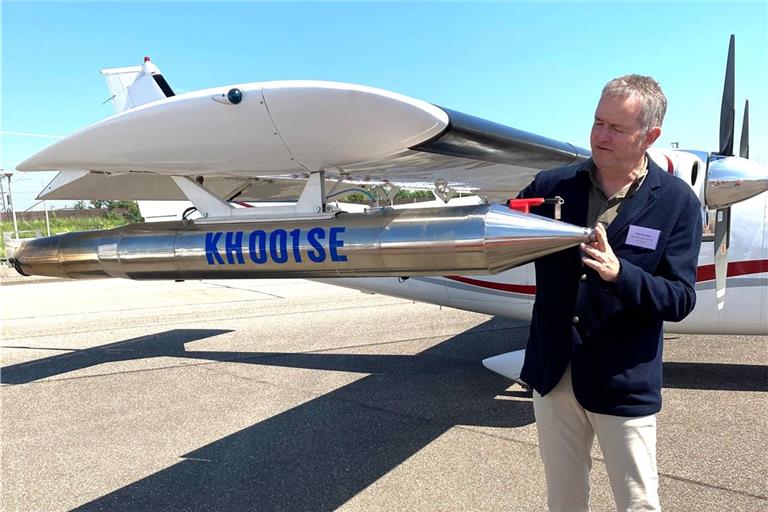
[47, 221]
[13, 207]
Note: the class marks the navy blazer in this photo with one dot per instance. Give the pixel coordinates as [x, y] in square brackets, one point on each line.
[611, 333]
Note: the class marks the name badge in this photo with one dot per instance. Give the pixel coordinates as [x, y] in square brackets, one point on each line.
[642, 237]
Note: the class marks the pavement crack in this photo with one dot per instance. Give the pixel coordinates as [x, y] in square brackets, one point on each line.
[712, 486]
[56, 349]
[219, 285]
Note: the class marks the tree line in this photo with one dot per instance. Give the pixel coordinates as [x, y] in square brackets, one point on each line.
[115, 210]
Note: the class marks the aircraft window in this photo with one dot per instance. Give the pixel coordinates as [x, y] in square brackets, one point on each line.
[694, 173]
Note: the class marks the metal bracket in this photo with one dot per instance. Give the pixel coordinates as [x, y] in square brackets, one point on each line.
[443, 191]
[311, 203]
[385, 192]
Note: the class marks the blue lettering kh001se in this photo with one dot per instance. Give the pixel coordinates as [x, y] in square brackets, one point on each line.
[233, 242]
[335, 243]
[257, 256]
[263, 246]
[314, 235]
[211, 249]
[278, 246]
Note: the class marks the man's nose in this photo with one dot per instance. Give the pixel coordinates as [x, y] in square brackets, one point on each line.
[601, 134]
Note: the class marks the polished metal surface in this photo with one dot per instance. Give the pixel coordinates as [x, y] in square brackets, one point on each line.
[477, 239]
[732, 179]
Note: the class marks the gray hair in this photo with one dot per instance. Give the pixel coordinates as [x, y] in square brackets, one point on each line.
[652, 100]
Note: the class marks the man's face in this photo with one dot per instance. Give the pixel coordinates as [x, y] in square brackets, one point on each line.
[618, 140]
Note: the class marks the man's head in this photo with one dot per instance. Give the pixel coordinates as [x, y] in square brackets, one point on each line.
[627, 122]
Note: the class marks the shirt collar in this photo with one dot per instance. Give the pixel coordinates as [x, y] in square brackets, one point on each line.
[628, 190]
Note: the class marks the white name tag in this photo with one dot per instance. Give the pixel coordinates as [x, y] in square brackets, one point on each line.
[642, 237]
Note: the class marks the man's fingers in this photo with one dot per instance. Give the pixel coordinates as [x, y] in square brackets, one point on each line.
[601, 236]
[592, 252]
[593, 264]
[599, 256]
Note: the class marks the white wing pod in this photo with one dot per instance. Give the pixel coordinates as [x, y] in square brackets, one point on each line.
[186, 134]
[359, 123]
[323, 124]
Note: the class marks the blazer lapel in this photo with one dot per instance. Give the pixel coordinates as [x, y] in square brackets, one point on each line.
[636, 205]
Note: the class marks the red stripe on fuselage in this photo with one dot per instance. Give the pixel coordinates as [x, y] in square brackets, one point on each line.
[735, 269]
[704, 273]
[670, 165]
[507, 287]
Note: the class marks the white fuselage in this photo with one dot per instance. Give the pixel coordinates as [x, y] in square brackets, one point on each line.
[511, 293]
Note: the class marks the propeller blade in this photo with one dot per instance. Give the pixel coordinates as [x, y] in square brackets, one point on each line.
[744, 146]
[728, 108]
[722, 241]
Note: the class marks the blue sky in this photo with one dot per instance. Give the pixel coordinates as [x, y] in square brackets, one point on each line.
[536, 66]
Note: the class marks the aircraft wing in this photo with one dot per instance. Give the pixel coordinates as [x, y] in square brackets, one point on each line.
[261, 141]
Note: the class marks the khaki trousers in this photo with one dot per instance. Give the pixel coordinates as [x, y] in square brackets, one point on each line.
[566, 432]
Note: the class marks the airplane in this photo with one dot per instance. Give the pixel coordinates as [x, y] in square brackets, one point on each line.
[261, 162]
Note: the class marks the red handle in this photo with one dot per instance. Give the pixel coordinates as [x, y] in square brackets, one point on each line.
[524, 205]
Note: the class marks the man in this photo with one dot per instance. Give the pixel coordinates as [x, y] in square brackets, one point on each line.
[595, 346]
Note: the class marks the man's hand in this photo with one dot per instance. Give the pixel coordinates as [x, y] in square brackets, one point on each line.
[599, 256]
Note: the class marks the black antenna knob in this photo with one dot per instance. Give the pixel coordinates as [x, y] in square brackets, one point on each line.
[235, 96]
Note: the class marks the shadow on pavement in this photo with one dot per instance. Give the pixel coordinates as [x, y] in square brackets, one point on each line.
[153, 345]
[716, 376]
[320, 454]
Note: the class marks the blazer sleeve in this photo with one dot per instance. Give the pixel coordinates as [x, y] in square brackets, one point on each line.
[669, 292]
[530, 190]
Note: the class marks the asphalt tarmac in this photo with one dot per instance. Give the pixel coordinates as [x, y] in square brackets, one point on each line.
[295, 395]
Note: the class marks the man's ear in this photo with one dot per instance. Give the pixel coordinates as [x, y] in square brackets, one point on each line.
[651, 136]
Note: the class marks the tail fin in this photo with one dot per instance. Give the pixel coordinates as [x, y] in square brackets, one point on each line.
[133, 86]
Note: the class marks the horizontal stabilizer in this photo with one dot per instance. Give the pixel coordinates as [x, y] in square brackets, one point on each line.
[509, 365]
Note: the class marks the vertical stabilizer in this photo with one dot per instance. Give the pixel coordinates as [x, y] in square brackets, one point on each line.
[132, 86]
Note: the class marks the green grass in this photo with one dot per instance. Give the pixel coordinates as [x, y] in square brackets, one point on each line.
[359, 197]
[58, 226]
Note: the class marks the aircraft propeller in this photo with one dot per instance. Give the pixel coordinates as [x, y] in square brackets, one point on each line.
[723, 215]
[730, 179]
[744, 146]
